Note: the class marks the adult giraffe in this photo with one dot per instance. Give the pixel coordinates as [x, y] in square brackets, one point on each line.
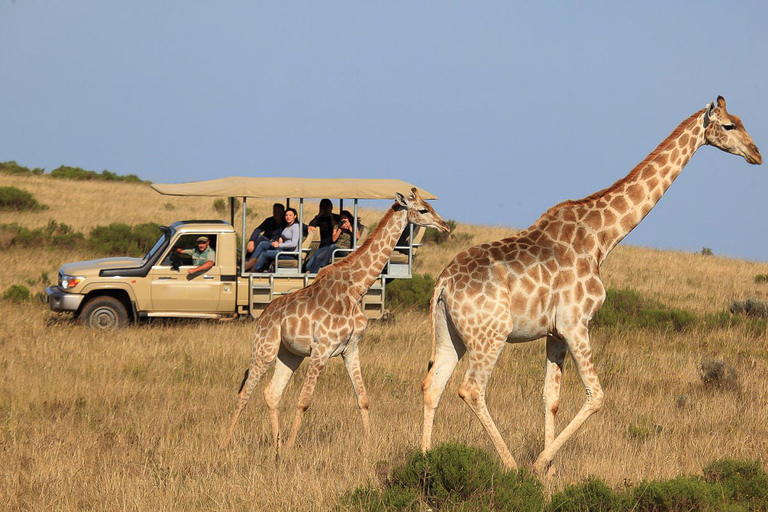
[546, 282]
[326, 319]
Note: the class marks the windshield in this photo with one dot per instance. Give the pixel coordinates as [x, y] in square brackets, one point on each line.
[160, 242]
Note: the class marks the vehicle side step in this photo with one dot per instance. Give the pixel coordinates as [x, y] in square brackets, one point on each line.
[182, 314]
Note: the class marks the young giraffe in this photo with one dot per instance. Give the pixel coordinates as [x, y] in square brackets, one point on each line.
[326, 319]
[546, 282]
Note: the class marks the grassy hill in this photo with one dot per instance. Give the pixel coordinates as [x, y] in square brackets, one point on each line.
[134, 419]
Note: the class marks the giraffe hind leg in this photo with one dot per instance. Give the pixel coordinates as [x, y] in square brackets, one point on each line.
[260, 361]
[285, 366]
[472, 391]
[449, 349]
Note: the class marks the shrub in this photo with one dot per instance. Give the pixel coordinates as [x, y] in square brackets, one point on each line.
[17, 294]
[706, 251]
[411, 293]
[222, 208]
[749, 307]
[52, 235]
[739, 481]
[78, 174]
[439, 237]
[16, 200]
[627, 309]
[451, 476]
[15, 169]
[761, 278]
[718, 374]
[121, 239]
[681, 493]
[590, 495]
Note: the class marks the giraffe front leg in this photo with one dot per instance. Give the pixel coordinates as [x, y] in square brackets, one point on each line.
[286, 365]
[578, 345]
[317, 362]
[352, 364]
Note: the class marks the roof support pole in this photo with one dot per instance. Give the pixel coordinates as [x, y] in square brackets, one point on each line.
[243, 241]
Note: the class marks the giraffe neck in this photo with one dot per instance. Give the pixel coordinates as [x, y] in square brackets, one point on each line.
[367, 263]
[600, 221]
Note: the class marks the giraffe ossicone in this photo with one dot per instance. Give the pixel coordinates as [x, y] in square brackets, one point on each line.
[545, 282]
[326, 319]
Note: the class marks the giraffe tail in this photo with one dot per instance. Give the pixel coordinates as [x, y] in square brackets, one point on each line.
[436, 306]
[245, 378]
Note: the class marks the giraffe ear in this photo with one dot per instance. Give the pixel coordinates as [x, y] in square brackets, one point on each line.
[415, 193]
[708, 113]
[721, 102]
[400, 199]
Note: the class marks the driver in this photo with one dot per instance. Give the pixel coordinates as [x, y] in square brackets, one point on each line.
[203, 257]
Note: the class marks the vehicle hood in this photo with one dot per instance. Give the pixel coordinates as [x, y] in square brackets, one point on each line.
[92, 267]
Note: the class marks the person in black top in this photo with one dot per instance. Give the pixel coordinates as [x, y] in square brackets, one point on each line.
[325, 221]
[269, 230]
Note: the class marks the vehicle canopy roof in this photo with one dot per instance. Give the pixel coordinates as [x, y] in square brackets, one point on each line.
[312, 188]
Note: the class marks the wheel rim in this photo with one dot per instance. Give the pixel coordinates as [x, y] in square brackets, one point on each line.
[104, 318]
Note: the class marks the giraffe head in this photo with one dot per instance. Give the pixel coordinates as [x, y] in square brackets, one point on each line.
[420, 212]
[726, 132]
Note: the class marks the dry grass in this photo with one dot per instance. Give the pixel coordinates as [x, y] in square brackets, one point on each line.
[133, 420]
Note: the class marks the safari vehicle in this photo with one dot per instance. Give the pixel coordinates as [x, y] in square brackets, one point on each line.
[107, 293]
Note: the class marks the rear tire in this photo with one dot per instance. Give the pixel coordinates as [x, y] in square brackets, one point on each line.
[104, 313]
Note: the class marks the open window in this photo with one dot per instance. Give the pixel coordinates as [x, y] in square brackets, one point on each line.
[188, 243]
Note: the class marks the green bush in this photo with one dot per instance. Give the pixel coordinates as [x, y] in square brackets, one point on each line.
[681, 493]
[752, 325]
[451, 476]
[742, 482]
[52, 235]
[222, 208]
[439, 237]
[411, 293]
[15, 169]
[123, 240]
[591, 495]
[627, 309]
[761, 278]
[13, 199]
[78, 174]
[17, 294]
[456, 477]
[706, 251]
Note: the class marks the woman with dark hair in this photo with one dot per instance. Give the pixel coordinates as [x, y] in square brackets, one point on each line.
[288, 241]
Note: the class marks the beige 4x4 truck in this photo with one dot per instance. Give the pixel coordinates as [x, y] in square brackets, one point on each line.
[108, 293]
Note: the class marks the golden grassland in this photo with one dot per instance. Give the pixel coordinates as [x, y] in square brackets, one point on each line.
[133, 419]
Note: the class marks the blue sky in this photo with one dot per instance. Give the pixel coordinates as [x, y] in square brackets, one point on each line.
[502, 109]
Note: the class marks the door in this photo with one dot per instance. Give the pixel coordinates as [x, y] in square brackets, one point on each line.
[175, 289]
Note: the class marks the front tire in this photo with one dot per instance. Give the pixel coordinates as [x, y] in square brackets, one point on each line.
[104, 313]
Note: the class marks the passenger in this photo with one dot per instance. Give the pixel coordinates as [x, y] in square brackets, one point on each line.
[341, 239]
[203, 257]
[288, 241]
[325, 220]
[268, 231]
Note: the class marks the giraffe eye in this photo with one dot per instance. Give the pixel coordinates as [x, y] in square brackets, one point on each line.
[422, 210]
[729, 127]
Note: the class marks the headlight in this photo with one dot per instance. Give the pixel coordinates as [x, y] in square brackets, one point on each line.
[67, 282]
